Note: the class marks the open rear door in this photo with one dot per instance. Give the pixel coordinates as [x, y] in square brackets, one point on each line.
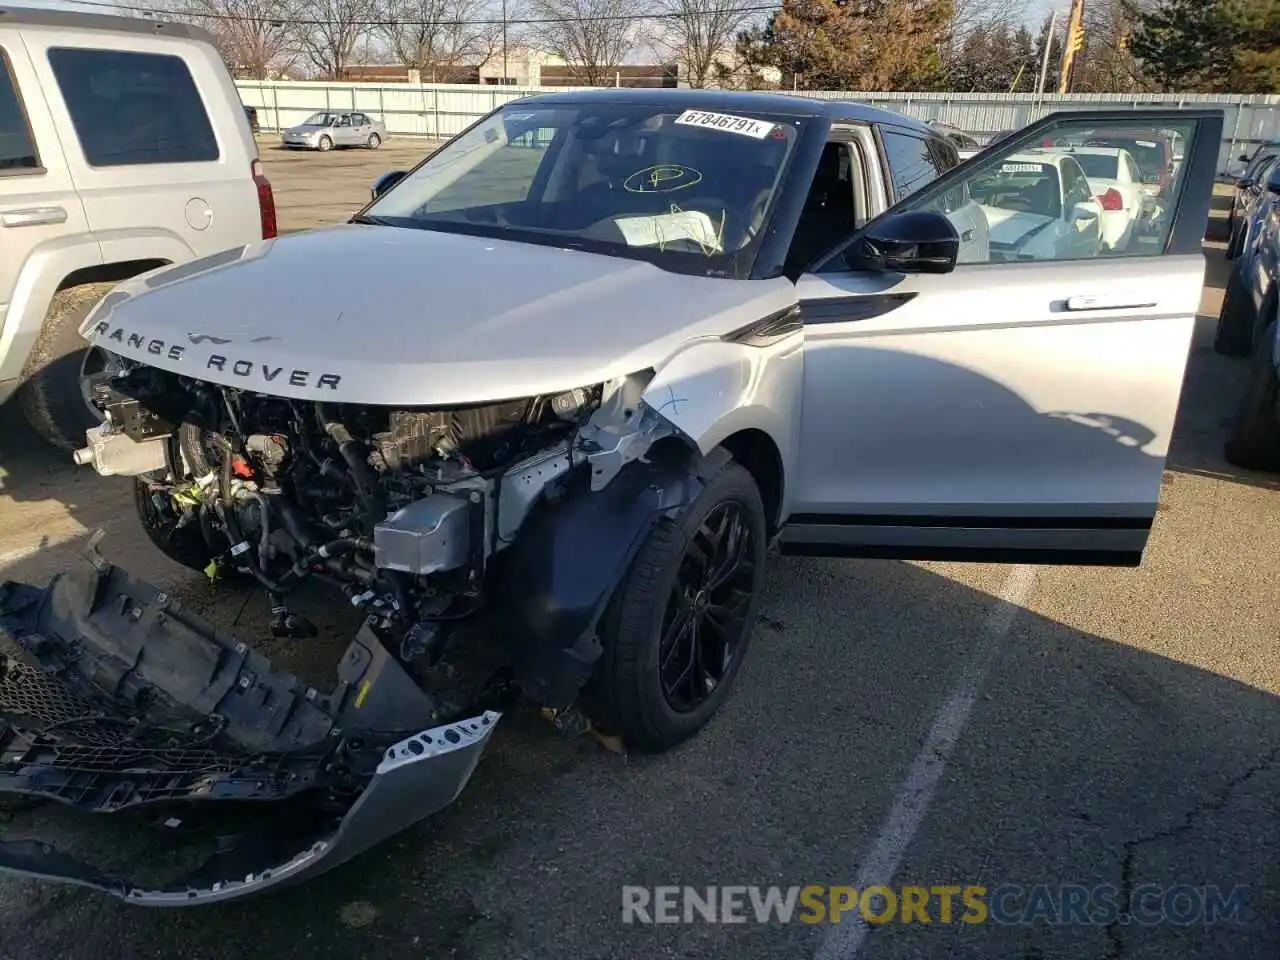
[1020, 408]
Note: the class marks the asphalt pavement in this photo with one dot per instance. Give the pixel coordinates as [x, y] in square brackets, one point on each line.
[903, 723]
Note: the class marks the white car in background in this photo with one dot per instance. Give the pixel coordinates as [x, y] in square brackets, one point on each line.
[1117, 183]
[1039, 205]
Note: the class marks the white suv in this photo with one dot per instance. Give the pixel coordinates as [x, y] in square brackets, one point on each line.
[123, 147]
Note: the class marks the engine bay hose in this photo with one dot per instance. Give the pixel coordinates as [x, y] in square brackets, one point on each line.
[355, 455]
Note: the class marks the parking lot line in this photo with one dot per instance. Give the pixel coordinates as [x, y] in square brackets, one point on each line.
[911, 801]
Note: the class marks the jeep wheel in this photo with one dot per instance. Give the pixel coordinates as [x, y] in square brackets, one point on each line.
[679, 625]
[1255, 438]
[375, 141]
[50, 396]
[324, 144]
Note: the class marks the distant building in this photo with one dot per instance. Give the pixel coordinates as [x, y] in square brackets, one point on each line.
[524, 66]
[390, 73]
[729, 72]
[627, 75]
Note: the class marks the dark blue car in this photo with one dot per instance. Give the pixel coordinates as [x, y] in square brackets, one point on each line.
[1247, 326]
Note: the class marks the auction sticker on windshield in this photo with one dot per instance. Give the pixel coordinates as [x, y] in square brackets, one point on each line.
[744, 126]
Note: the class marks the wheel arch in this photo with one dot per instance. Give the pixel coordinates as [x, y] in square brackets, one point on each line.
[61, 265]
[111, 272]
[759, 455]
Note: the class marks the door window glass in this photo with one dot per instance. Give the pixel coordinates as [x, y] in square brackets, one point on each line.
[17, 152]
[133, 108]
[912, 164]
[1031, 201]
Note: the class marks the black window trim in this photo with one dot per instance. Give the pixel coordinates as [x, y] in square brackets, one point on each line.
[848, 135]
[220, 152]
[39, 169]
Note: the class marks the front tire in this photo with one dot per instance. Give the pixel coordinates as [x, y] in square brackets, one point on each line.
[51, 398]
[680, 623]
[183, 545]
[375, 141]
[324, 144]
[1255, 438]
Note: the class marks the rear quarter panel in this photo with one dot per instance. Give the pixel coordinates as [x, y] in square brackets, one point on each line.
[199, 207]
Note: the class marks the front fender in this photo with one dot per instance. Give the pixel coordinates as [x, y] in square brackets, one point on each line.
[715, 388]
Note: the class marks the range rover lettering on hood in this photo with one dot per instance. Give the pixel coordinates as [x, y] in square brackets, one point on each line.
[237, 366]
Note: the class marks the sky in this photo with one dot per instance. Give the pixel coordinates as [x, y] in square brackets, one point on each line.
[1037, 10]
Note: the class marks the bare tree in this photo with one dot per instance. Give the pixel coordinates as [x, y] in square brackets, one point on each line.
[253, 36]
[699, 36]
[593, 36]
[975, 16]
[326, 32]
[439, 36]
[1106, 65]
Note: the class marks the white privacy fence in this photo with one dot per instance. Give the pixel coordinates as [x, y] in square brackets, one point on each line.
[439, 111]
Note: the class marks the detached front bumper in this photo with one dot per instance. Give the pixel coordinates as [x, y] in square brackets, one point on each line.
[419, 776]
[117, 703]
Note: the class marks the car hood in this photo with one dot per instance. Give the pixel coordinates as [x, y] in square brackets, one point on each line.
[386, 315]
[305, 128]
[1011, 227]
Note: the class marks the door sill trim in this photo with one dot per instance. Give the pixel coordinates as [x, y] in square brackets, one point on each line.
[1006, 555]
[969, 522]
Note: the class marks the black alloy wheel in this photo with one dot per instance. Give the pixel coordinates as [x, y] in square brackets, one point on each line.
[706, 613]
[679, 626]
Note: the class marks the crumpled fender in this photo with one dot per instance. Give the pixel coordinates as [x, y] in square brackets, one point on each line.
[557, 578]
[715, 388]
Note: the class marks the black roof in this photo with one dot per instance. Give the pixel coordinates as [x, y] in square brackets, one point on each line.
[729, 101]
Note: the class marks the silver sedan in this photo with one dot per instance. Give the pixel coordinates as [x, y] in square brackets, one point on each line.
[328, 129]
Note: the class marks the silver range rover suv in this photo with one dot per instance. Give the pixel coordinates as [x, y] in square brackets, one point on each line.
[606, 349]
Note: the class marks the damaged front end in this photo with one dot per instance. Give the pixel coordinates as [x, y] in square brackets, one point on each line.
[114, 700]
[500, 529]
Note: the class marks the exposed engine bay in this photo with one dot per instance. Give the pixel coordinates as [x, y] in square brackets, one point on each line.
[503, 526]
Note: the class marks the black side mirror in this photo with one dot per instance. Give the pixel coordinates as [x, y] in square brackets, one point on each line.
[387, 181]
[1244, 183]
[918, 241]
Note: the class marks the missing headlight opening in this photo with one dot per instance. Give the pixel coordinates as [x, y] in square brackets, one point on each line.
[481, 543]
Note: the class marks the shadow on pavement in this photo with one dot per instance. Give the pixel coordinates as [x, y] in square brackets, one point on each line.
[1084, 762]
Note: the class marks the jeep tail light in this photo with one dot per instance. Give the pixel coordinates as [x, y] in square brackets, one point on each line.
[266, 201]
[1111, 200]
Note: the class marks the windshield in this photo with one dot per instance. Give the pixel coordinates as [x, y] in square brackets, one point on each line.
[687, 190]
[1099, 165]
[321, 119]
[1021, 187]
